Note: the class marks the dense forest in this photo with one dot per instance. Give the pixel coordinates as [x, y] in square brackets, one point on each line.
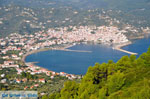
[126, 79]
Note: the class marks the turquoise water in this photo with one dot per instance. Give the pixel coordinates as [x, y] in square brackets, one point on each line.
[78, 62]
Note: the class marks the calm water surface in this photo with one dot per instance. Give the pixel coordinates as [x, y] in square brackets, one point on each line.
[78, 62]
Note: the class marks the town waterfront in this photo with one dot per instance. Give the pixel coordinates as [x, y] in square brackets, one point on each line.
[78, 62]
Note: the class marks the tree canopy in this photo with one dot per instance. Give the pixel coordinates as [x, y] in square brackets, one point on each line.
[126, 79]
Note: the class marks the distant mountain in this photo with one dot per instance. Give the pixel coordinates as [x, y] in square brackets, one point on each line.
[106, 4]
[30, 16]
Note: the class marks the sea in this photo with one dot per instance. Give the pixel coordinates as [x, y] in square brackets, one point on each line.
[78, 62]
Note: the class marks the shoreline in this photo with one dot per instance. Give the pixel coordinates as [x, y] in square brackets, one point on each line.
[65, 48]
[136, 38]
[32, 52]
[119, 48]
[32, 63]
[44, 49]
[40, 50]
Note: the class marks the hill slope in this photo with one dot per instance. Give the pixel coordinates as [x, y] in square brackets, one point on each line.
[127, 79]
[30, 16]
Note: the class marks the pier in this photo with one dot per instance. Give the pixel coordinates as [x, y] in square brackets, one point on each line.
[118, 47]
[74, 50]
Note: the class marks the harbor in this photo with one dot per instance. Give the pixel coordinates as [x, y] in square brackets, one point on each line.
[119, 48]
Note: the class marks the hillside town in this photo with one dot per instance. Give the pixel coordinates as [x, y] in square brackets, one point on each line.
[15, 47]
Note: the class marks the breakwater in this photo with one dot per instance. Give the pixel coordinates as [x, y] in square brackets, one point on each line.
[118, 47]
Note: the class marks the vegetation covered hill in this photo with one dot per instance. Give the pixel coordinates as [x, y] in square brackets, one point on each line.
[30, 16]
[127, 79]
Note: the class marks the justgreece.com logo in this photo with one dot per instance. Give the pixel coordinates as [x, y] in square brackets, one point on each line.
[18, 95]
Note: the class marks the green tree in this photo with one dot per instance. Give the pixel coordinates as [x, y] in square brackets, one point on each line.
[145, 58]
[55, 96]
[143, 91]
[45, 97]
[115, 82]
[126, 79]
[103, 93]
[70, 90]
[23, 74]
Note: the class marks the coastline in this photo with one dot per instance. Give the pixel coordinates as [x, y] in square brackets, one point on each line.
[33, 63]
[65, 48]
[34, 51]
[119, 48]
[136, 38]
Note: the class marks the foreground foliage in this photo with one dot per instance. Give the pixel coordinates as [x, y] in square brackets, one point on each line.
[127, 79]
